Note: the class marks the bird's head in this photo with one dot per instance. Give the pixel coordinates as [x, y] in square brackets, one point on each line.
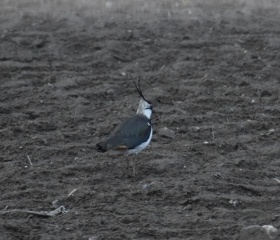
[145, 107]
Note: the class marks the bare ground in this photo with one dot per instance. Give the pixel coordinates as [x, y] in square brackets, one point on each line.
[212, 72]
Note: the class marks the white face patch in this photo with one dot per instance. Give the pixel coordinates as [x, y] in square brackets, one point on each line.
[148, 113]
[144, 108]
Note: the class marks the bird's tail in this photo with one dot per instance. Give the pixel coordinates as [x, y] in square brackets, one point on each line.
[101, 147]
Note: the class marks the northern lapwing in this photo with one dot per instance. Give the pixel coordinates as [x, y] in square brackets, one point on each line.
[133, 134]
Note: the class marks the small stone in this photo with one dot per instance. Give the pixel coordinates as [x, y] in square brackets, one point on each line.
[93, 238]
[256, 232]
[271, 231]
[110, 91]
[188, 207]
[166, 132]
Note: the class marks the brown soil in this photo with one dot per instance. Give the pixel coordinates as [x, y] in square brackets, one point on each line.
[212, 72]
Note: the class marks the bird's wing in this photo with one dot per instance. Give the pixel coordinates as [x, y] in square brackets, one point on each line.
[130, 133]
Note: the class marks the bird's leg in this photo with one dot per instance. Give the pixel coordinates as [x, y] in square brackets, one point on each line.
[127, 166]
[133, 165]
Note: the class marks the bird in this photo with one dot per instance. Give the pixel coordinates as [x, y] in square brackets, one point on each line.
[134, 133]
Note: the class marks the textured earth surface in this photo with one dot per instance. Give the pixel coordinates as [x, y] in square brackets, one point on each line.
[211, 69]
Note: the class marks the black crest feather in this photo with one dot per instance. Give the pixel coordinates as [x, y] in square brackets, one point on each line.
[139, 88]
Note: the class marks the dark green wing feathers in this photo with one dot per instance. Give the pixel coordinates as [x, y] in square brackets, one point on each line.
[128, 134]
